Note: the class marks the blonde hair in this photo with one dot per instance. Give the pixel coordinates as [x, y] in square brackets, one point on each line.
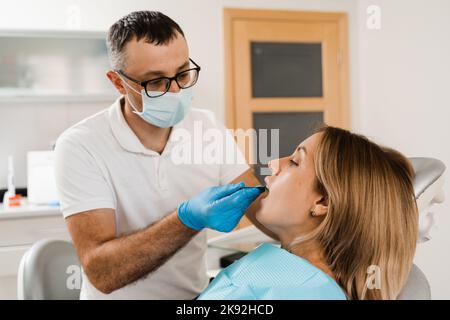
[372, 217]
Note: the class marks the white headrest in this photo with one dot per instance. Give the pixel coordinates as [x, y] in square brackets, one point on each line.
[428, 189]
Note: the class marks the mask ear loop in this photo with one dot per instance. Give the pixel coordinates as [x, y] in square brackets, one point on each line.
[135, 110]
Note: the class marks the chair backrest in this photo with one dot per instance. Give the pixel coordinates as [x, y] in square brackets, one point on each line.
[49, 270]
[417, 286]
[429, 190]
[428, 183]
[428, 171]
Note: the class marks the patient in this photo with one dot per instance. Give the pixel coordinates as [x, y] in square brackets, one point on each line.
[345, 213]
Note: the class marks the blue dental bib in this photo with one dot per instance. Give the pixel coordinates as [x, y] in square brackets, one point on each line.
[272, 273]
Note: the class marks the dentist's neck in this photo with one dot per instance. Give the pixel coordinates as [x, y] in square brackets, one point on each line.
[152, 137]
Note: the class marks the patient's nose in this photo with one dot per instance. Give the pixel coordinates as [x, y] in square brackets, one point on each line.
[276, 165]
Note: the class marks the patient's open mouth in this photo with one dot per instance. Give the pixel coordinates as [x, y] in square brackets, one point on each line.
[262, 188]
[265, 191]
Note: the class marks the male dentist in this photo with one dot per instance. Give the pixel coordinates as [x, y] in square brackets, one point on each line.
[135, 216]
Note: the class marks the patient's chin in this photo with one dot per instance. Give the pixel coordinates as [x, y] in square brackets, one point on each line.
[263, 214]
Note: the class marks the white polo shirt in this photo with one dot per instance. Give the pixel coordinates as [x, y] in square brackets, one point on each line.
[100, 163]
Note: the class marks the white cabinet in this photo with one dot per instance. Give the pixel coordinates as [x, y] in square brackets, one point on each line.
[19, 229]
[53, 66]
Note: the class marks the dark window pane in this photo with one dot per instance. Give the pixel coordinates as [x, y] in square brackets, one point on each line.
[286, 69]
[294, 128]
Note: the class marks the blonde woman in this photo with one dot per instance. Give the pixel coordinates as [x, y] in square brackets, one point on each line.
[346, 217]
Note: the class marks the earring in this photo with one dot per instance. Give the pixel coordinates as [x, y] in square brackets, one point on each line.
[313, 213]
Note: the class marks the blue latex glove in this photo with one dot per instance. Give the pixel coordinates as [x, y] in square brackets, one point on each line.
[219, 208]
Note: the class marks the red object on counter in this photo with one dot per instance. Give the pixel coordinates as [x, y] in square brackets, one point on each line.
[14, 201]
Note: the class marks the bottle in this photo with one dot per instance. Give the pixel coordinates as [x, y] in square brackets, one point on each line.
[11, 192]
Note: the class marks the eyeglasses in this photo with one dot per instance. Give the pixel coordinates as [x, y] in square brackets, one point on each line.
[157, 87]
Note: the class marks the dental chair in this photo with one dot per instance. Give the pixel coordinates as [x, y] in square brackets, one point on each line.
[49, 270]
[428, 190]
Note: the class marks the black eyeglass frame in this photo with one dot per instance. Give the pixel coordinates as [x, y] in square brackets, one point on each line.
[170, 79]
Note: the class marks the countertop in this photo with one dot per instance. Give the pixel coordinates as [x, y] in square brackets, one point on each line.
[28, 211]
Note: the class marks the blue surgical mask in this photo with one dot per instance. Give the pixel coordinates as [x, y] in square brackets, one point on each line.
[164, 111]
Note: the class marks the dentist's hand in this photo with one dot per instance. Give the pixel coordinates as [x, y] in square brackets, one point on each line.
[219, 208]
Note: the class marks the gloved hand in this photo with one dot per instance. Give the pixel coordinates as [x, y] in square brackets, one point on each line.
[219, 208]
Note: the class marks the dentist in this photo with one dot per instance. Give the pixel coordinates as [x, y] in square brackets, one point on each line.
[136, 217]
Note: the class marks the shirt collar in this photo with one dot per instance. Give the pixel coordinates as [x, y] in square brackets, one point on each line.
[127, 138]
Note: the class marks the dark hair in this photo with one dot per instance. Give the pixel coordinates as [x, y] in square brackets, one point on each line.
[152, 26]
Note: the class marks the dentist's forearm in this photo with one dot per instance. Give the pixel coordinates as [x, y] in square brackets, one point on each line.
[121, 261]
[111, 262]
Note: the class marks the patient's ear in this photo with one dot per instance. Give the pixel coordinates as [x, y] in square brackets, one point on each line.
[320, 207]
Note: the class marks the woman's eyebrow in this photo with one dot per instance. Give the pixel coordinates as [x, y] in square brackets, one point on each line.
[301, 148]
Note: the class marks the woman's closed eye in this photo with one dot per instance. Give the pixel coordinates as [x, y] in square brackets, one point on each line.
[292, 162]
